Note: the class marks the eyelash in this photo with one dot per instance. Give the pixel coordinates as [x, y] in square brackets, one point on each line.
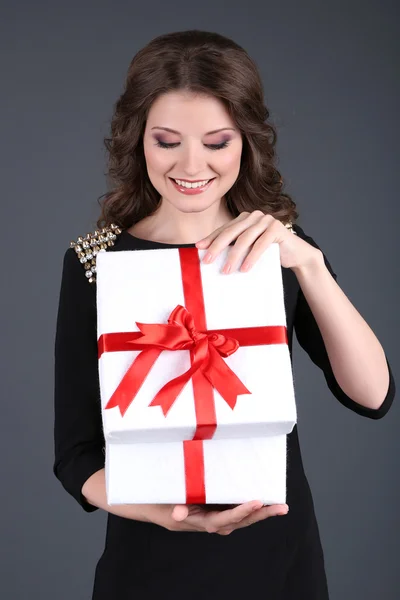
[161, 144]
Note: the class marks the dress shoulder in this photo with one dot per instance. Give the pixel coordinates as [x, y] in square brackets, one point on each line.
[87, 247]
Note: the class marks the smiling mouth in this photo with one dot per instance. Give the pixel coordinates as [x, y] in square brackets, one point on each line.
[208, 180]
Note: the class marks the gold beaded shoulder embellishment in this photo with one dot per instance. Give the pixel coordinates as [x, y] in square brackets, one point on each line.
[290, 227]
[91, 244]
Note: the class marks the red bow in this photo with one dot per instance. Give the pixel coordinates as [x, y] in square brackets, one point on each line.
[179, 334]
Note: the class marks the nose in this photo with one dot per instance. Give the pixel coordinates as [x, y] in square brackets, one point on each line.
[193, 159]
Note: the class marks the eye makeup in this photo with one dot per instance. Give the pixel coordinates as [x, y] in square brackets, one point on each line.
[223, 144]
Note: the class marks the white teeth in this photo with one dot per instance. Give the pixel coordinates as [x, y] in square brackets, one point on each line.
[191, 185]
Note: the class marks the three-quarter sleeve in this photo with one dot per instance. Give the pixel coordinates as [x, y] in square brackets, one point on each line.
[78, 433]
[311, 340]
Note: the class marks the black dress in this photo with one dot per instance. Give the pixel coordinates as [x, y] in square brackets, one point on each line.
[280, 558]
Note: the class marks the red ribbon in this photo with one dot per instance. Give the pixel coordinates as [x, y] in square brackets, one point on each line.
[186, 330]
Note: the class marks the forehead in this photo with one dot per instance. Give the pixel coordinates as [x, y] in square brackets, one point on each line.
[188, 113]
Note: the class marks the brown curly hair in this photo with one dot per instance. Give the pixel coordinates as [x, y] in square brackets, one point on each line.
[204, 63]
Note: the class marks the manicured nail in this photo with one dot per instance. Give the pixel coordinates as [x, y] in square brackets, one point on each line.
[208, 257]
[245, 266]
[226, 268]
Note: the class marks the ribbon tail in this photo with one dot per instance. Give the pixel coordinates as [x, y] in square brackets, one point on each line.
[223, 379]
[133, 380]
[171, 390]
[167, 395]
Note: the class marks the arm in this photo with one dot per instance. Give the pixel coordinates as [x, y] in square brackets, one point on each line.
[340, 342]
[78, 437]
[78, 434]
[94, 492]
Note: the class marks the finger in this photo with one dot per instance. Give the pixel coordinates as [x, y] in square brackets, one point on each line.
[260, 515]
[180, 512]
[226, 234]
[245, 230]
[265, 512]
[274, 233]
[216, 520]
[260, 245]
[250, 244]
[205, 242]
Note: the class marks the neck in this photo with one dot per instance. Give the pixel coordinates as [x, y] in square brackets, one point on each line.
[171, 226]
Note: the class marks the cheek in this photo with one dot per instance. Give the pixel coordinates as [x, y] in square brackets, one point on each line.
[156, 161]
[229, 160]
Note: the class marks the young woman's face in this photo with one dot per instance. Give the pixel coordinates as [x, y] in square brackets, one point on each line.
[191, 152]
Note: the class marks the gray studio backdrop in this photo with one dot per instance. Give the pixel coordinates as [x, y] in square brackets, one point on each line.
[331, 81]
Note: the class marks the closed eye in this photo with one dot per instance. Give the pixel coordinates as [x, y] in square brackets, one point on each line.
[161, 144]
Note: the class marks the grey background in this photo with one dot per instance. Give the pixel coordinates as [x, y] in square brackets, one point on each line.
[331, 81]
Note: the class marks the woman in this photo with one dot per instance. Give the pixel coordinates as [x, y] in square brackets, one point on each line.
[192, 111]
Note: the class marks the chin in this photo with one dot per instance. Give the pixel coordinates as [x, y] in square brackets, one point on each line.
[189, 203]
[196, 206]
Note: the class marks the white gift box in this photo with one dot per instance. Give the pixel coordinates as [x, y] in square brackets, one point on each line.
[144, 287]
[235, 471]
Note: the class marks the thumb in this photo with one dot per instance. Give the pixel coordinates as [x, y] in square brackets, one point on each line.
[180, 512]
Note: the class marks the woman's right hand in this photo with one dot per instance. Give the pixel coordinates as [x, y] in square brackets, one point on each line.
[193, 517]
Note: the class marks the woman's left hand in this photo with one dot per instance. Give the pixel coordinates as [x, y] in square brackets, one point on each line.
[254, 232]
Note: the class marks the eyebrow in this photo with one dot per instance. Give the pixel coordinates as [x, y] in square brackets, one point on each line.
[208, 133]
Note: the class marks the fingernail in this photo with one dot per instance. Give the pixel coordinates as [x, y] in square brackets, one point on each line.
[245, 266]
[201, 243]
[226, 268]
[207, 258]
